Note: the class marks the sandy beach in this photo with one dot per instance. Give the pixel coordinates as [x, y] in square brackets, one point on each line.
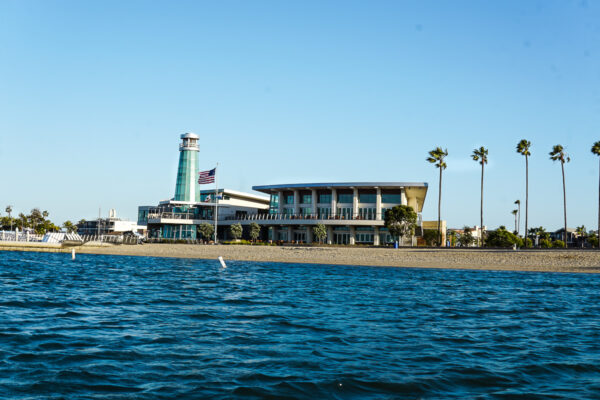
[523, 260]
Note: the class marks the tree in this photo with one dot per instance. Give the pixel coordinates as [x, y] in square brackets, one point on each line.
[466, 238]
[235, 231]
[515, 212]
[523, 149]
[9, 210]
[400, 221]
[596, 151]
[481, 155]
[452, 238]
[206, 230]
[558, 154]
[254, 231]
[437, 157]
[518, 203]
[581, 234]
[69, 226]
[320, 232]
[503, 238]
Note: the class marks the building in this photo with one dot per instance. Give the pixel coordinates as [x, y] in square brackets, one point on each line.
[112, 224]
[180, 217]
[352, 212]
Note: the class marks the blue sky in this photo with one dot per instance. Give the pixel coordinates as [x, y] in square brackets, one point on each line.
[94, 96]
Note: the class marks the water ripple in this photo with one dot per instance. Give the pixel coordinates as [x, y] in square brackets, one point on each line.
[107, 327]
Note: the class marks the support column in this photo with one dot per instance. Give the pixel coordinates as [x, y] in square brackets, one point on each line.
[355, 203]
[296, 202]
[280, 205]
[330, 234]
[333, 202]
[290, 234]
[274, 233]
[352, 235]
[403, 198]
[309, 234]
[378, 215]
[314, 202]
[376, 236]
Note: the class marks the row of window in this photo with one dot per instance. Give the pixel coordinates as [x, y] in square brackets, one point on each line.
[341, 198]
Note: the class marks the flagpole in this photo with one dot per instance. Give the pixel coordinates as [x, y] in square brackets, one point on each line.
[216, 202]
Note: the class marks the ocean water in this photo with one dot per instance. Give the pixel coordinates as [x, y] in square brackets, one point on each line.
[108, 327]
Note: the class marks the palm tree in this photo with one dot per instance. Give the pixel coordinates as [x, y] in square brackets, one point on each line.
[558, 154]
[523, 149]
[514, 212]
[9, 210]
[481, 155]
[596, 151]
[518, 203]
[437, 156]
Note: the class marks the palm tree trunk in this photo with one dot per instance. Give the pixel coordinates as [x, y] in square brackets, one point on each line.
[519, 224]
[526, 198]
[562, 166]
[440, 210]
[480, 236]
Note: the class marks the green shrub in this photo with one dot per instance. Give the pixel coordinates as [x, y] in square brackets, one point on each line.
[430, 236]
[545, 243]
[558, 244]
[502, 238]
[593, 240]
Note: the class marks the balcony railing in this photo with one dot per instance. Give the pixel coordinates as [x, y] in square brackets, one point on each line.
[269, 217]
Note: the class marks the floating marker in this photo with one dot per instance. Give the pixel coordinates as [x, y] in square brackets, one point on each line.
[72, 254]
[222, 262]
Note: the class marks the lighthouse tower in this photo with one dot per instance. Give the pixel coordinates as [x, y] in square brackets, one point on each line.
[187, 172]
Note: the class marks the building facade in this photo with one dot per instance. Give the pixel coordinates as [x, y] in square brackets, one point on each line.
[353, 213]
[181, 216]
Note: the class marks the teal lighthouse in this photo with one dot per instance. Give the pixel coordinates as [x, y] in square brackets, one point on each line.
[187, 172]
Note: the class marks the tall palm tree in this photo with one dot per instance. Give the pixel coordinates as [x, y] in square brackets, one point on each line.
[437, 156]
[523, 149]
[9, 210]
[518, 203]
[596, 151]
[514, 212]
[481, 155]
[558, 154]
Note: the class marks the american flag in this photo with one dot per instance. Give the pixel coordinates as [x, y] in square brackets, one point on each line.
[205, 177]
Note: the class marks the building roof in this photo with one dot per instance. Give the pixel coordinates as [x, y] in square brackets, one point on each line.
[190, 135]
[383, 185]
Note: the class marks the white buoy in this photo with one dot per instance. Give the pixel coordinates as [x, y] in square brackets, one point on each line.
[222, 262]
[72, 254]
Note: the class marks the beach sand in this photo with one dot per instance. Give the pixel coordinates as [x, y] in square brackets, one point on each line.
[523, 260]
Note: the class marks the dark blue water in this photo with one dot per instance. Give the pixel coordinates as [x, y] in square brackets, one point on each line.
[107, 327]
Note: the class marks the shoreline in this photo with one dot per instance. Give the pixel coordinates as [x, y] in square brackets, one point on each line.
[538, 260]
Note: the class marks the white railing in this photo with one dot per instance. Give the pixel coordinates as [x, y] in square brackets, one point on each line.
[16, 236]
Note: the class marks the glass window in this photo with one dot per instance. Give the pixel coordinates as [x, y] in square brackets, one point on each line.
[391, 198]
[367, 197]
[325, 198]
[289, 199]
[306, 211]
[306, 199]
[345, 198]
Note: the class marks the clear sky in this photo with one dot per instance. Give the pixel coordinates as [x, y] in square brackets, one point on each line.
[94, 96]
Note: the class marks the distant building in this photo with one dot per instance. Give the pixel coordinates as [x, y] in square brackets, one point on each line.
[112, 224]
[572, 236]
